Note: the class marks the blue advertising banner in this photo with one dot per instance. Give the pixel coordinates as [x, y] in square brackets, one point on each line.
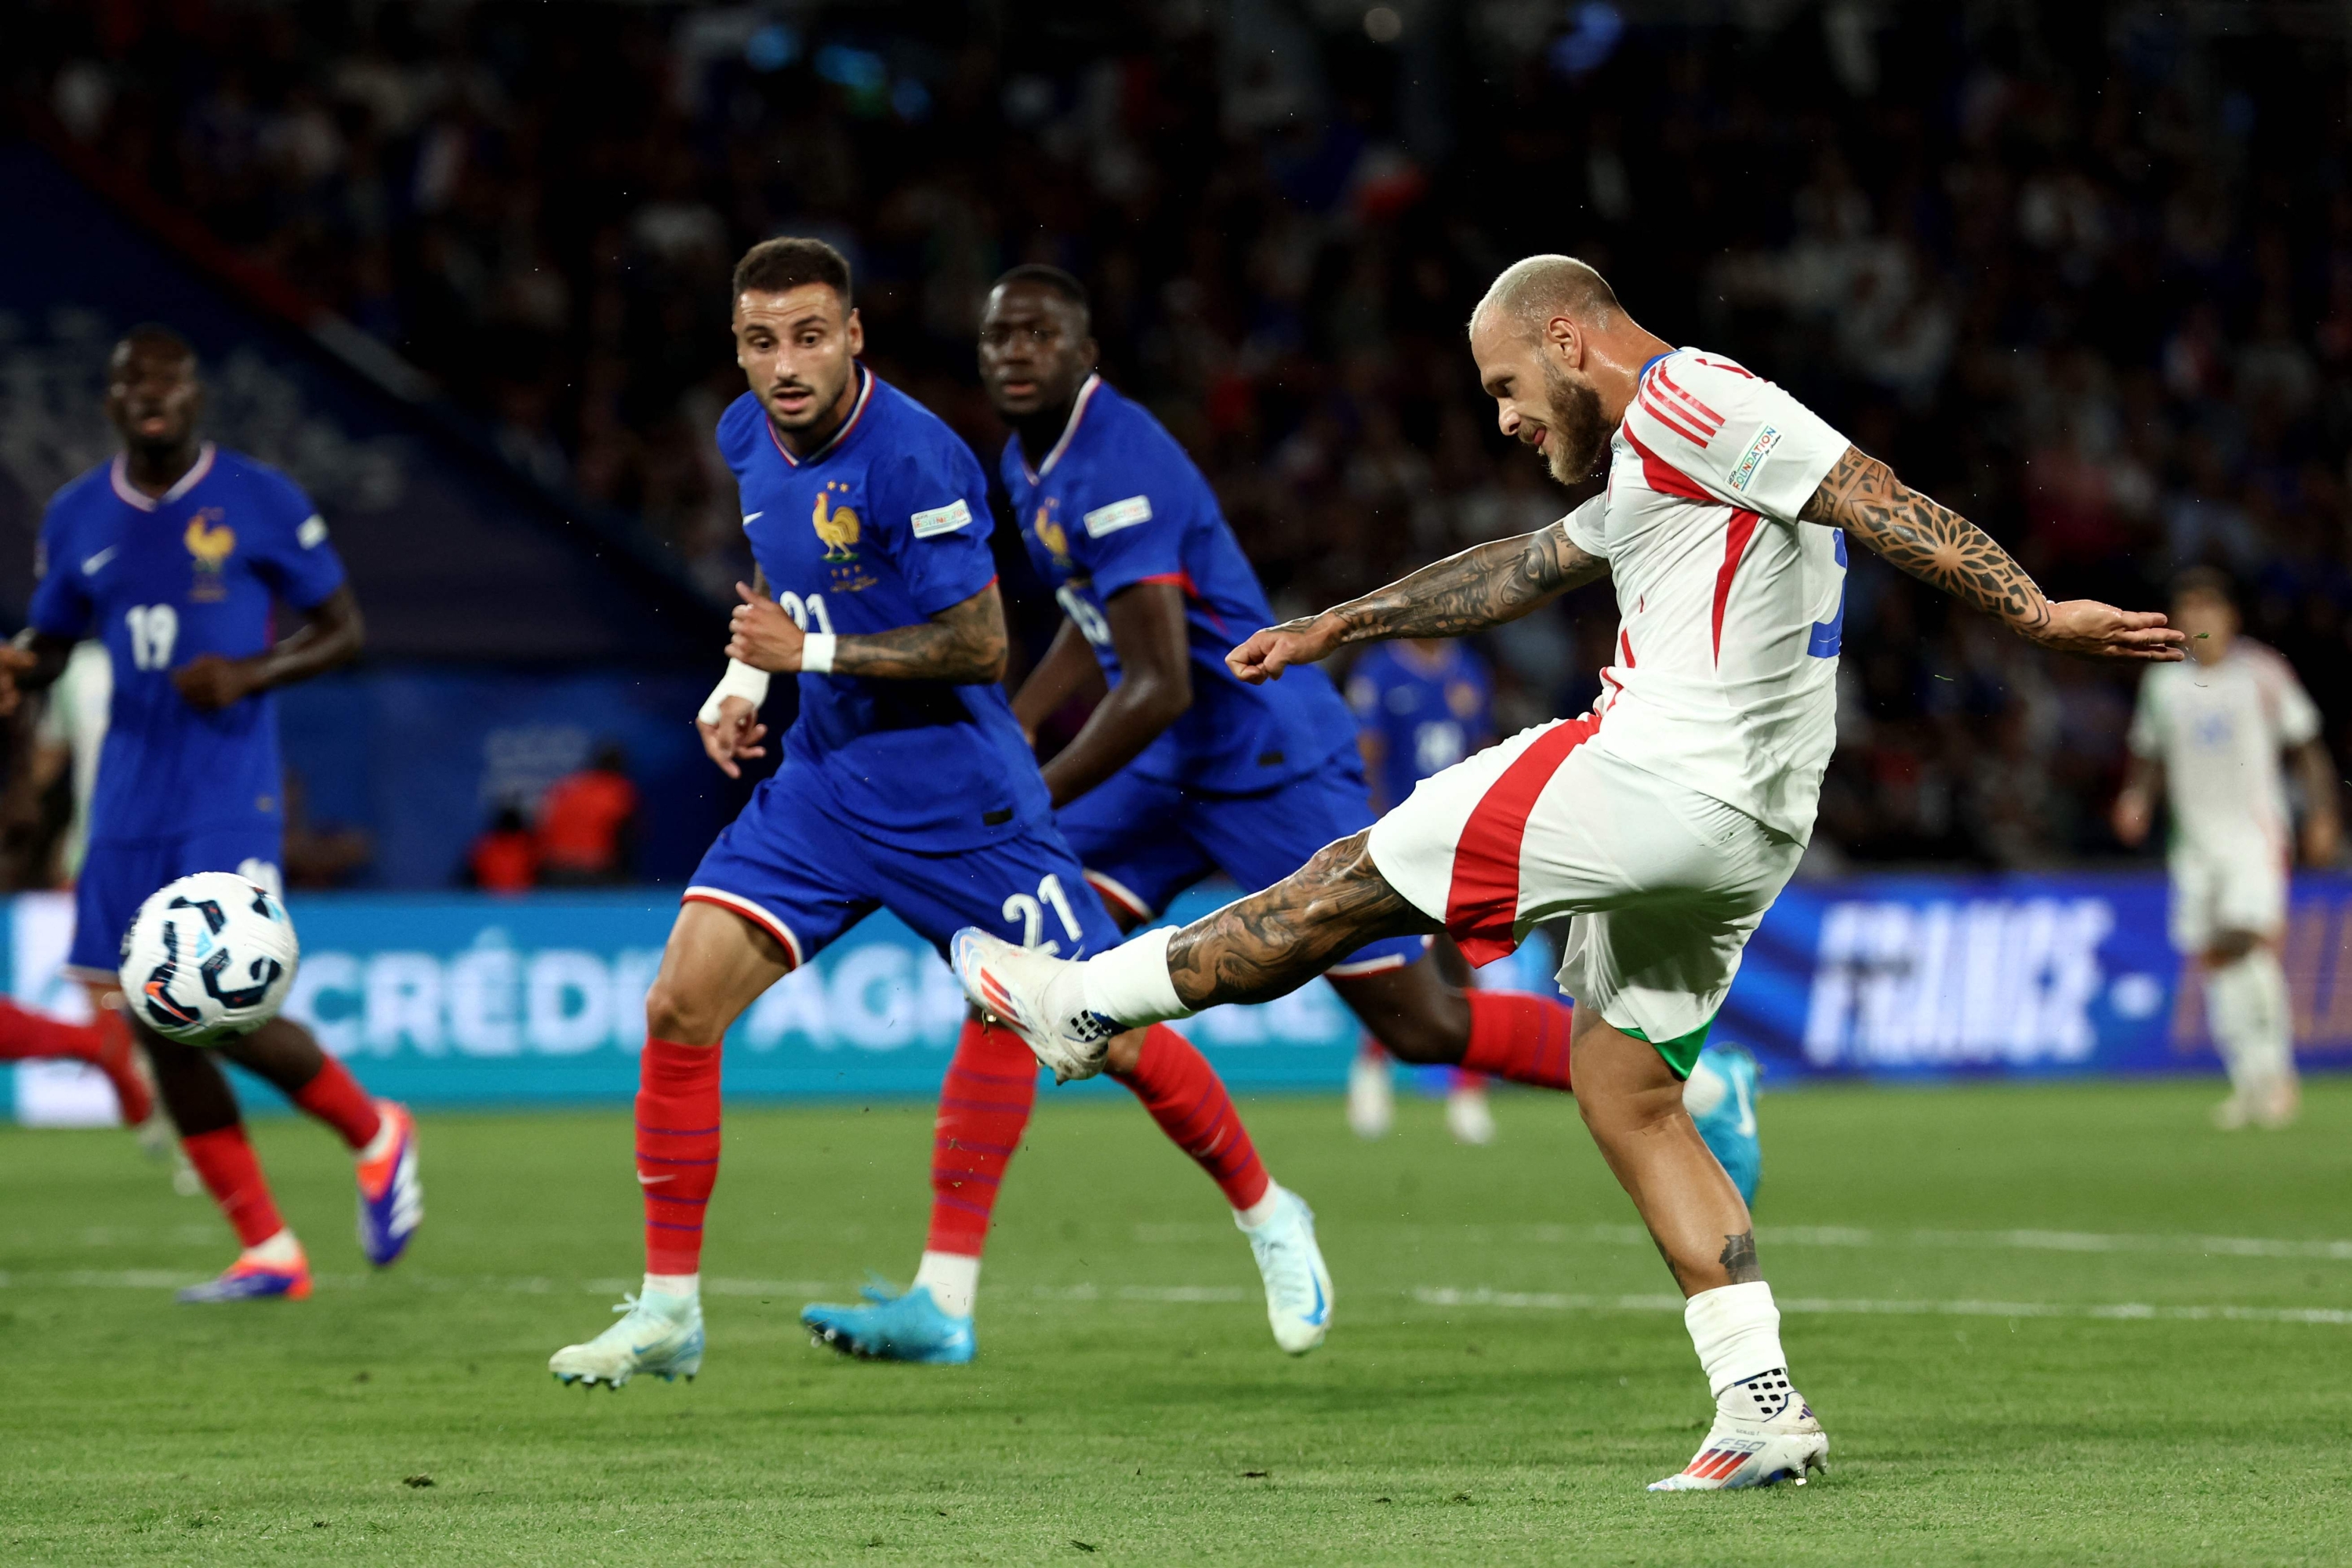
[458, 999]
[461, 999]
[1927, 976]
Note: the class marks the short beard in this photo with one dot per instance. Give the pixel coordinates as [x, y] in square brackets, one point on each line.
[1579, 432]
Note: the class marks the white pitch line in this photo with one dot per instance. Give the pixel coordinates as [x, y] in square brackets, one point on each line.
[1220, 1295]
[2122, 1312]
[1839, 1235]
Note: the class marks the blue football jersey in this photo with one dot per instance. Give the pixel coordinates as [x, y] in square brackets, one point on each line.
[1117, 502]
[1427, 715]
[884, 527]
[162, 581]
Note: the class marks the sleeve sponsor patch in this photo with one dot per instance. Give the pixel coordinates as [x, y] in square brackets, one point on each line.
[1117, 515]
[312, 533]
[940, 520]
[1758, 452]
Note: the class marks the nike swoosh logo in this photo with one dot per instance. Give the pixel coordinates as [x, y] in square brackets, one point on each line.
[96, 564]
[1747, 1111]
[1322, 1309]
[645, 1181]
[751, 517]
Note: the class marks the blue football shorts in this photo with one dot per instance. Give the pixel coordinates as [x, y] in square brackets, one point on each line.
[118, 875]
[804, 878]
[1145, 840]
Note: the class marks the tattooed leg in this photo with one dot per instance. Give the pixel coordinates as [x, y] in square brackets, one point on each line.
[1274, 941]
[1633, 1107]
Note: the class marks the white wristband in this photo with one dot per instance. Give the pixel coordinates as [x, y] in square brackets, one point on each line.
[741, 680]
[816, 653]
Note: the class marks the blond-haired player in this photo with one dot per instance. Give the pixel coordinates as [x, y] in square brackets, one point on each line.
[2208, 738]
[1664, 821]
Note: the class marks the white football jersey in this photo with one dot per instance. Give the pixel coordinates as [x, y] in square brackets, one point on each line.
[2219, 729]
[1729, 610]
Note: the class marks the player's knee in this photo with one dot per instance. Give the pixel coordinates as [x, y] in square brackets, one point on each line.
[675, 1012]
[1626, 1112]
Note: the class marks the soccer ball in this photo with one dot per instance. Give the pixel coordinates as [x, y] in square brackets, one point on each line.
[210, 956]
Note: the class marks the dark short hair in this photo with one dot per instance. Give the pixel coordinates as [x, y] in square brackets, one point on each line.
[155, 334]
[774, 266]
[1054, 281]
[2209, 580]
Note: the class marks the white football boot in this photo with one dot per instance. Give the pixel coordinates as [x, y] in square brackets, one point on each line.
[1297, 1285]
[1039, 997]
[1372, 1101]
[662, 1336]
[1469, 1118]
[1742, 1451]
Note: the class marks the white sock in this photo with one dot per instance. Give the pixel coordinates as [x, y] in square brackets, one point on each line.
[952, 1279]
[677, 1287]
[2274, 1023]
[1737, 1331]
[279, 1251]
[1131, 983]
[1259, 1213]
[1704, 1091]
[2236, 1009]
[380, 1144]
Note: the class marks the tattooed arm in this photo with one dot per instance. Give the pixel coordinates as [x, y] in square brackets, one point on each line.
[1945, 549]
[964, 643]
[1483, 586]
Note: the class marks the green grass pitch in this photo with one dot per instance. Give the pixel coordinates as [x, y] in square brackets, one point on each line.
[2049, 1325]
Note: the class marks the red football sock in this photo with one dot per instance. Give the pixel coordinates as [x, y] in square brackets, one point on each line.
[677, 1150]
[1522, 1038]
[1189, 1101]
[984, 1105]
[28, 1036]
[335, 1097]
[225, 1160]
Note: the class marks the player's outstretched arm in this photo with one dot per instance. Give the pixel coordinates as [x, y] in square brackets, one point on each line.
[1482, 587]
[1939, 547]
[964, 643]
[333, 632]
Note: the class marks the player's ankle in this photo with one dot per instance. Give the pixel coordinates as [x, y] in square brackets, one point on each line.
[1735, 1329]
[1131, 983]
[1259, 1213]
[952, 1279]
[281, 1250]
[662, 1290]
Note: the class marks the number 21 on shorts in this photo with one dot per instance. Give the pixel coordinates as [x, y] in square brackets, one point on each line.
[1030, 910]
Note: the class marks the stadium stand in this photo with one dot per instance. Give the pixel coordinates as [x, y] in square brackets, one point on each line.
[2093, 285]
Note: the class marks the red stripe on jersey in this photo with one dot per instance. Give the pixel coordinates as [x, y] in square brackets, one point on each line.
[1735, 544]
[1482, 906]
[1713, 420]
[1625, 646]
[1663, 477]
[1724, 365]
[1677, 420]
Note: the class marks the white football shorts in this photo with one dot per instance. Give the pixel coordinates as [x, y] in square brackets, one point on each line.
[1664, 884]
[2227, 885]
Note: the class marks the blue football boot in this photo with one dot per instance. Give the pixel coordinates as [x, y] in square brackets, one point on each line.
[893, 1326]
[1721, 1099]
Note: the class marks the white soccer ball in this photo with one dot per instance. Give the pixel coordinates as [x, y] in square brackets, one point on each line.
[210, 956]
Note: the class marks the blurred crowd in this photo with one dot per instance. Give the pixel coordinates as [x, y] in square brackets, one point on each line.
[2081, 270]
